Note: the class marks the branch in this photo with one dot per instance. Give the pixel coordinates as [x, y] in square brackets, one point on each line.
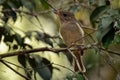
[22, 52]
[14, 70]
[110, 51]
[64, 67]
[56, 50]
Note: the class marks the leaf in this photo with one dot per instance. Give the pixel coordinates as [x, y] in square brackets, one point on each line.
[44, 4]
[32, 62]
[69, 56]
[39, 35]
[39, 65]
[109, 37]
[28, 34]
[5, 31]
[15, 4]
[8, 30]
[117, 39]
[48, 64]
[106, 32]
[27, 45]
[22, 60]
[48, 41]
[13, 15]
[15, 47]
[19, 39]
[96, 13]
[29, 4]
[104, 27]
[75, 77]
[8, 14]
[8, 38]
[2, 31]
[79, 77]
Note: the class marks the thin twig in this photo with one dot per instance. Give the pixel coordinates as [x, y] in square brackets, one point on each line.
[14, 70]
[89, 28]
[80, 39]
[84, 76]
[50, 5]
[14, 64]
[110, 51]
[76, 60]
[110, 64]
[64, 67]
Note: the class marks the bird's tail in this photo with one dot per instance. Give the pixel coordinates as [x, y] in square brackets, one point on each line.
[78, 62]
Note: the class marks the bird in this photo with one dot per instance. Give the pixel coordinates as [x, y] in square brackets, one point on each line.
[72, 34]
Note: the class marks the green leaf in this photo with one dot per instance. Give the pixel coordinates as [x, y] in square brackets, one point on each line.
[8, 38]
[106, 31]
[29, 4]
[27, 45]
[104, 27]
[28, 34]
[15, 47]
[8, 14]
[19, 39]
[39, 35]
[22, 60]
[48, 41]
[109, 37]
[42, 66]
[75, 77]
[48, 64]
[79, 77]
[2, 31]
[117, 39]
[13, 15]
[44, 4]
[14, 3]
[97, 13]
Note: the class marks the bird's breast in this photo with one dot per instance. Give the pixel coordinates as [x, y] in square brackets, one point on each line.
[71, 33]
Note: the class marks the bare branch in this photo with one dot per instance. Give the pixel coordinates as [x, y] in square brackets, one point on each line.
[22, 52]
[14, 70]
[110, 51]
[64, 67]
[56, 50]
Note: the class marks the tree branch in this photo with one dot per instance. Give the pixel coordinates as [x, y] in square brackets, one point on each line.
[22, 52]
[110, 51]
[56, 50]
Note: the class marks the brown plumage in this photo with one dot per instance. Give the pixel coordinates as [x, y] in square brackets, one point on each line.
[72, 33]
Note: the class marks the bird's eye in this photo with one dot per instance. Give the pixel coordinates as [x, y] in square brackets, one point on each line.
[64, 15]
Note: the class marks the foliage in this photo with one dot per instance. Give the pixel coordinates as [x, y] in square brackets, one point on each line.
[104, 18]
[107, 20]
[11, 9]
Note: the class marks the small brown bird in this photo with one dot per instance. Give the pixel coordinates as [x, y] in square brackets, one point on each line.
[72, 33]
